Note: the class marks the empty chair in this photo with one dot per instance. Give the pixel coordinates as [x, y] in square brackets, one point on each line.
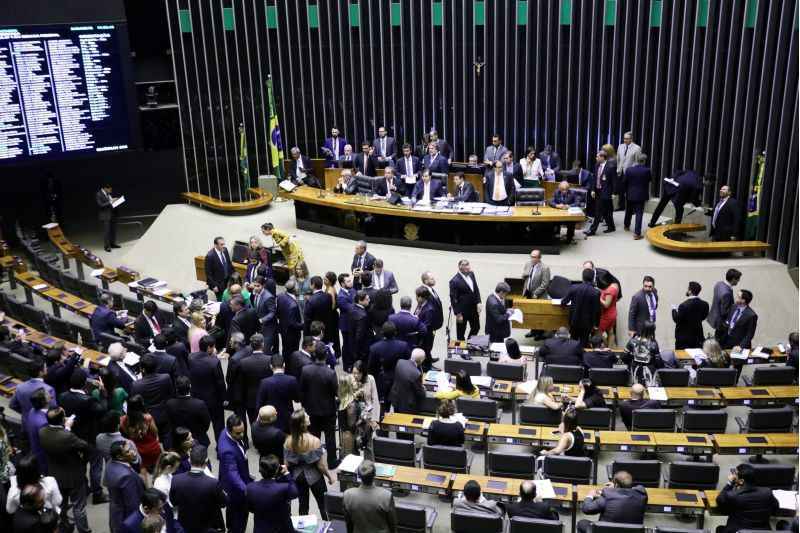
[447, 458]
[653, 420]
[698, 421]
[89, 292]
[615, 527]
[520, 524]
[716, 377]
[85, 336]
[62, 329]
[15, 308]
[472, 368]
[132, 305]
[483, 410]
[595, 418]
[35, 318]
[463, 522]
[645, 473]
[107, 339]
[334, 505]
[558, 287]
[516, 465]
[18, 366]
[565, 469]
[692, 475]
[70, 283]
[505, 371]
[394, 451]
[414, 518]
[767, 421]
[772, 375]
[610, 377]
[429, 406]
[775, 476]
[564, 373]
[673, 377]
[536, 415]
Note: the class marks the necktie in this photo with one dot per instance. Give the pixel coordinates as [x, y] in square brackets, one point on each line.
[624, 151]
[222, 259]
[379, 281]
[499, 193]
[154, 324]
[336, 147]
[599, 177]
[716, 212]
[533, 274]
[735, 318]
[408, 166]
[435, 295]
[383, 146]
[651, 303]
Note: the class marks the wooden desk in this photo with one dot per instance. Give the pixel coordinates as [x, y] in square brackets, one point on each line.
[783, 443]
[418, 424]
[610, 394]
[514, 434]
[660, 237]
[331, 177]
[260, 199]
[785, 393]
[13, 264]
[693, 396]
[661, 501]
[46, 342]
[713, 509]
[406, 478]
[746, 396]
[684, 359]
[694, 444]
[624, 441]
[9, 387]
[278, 267]
[494, 488]
[69, 250]
[741, 444]
[55, 296]
[539, 314]
[169, 297]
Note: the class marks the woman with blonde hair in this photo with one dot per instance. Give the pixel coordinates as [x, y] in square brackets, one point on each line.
[302, 283]
[305, 458]
[168, 463]
[197, 331]
[542, 395]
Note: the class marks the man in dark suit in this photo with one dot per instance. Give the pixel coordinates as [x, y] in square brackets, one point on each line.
[435, 318]
[300, 170]
[181, 324]
[21, 401]
[551, 161]
[198, 497]
[527, 507]
[265, 306]
[124, 374]
[465, 300]
[125, 487]
[107, 216]
[494, 152]
[598, 355]
[35, 420]
[280, 390]
[499, 188]
[301, 357]
[146, 325]
[104, 318]
[360, 328]
[152, 507]
[621, 502]
[234, 474]
[637, 401]
[390, 184]
[191, 413]
[208, 383]
[268, 437]
[383, 356]
[290, 321]
[601, 190]
[725, 217]
[444, 148]
[269, 499]
[177, 349]
[383, 147]
[688, 317]
[747, 506]
[722, 301]
[407, 167]
[218, 268]
[66, 459]
[464, 191]
[254, 369]
[345, 299]
[497, 325]
[561, 350]
[512, 168]
[240, 350]
[740, 326]
[363, 261]
[317, 305]
[165, 363]
[407, 393]
[564, 198]
[638, 188]
[409, 328]
[245, 320]
[155, 389]
[644, 305]
[428, 189]
[333, 147]
[61, 362]
[318, 389]
[684, 186]
[583, 300]
[365, 163]
[435, 162]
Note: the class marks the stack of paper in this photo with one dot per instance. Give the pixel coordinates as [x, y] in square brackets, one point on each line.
[575, 211]
[787, 499]
[350, 463]
[482, 381]
[306, 522]
[758, 352]
[383, 470]
[499, 347]
[544, 489]
[51, 225]
[555, 301]
[696, 352]
[131, 359]
[657, 393]
[40, 287]
[443, 382]
[743, 355]
[526, 387]
[515, 316]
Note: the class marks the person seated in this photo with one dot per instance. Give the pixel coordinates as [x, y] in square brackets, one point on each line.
[527, 507]
[589, 396]
[427, 189]
[747, 506]
[599, 356]
[713, 356]
[643, 354]
[543, 394]
[389, 184]
[637, 401]
[463, 191]
[446, 430]
[346, 184]
[571, 443]
[619, 501]
[563, 197]
[472, 501]
[300, 169]
[464, 387]
[561, 350]
[791, 359]
[513, 355]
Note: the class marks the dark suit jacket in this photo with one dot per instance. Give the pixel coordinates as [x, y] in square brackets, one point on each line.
[123, 378]
[34, 422]
[267, 311]
[318, 389]
[66, 456]
[21, 401]
[390, 147]
[371, 165]
[318, 306]
[409, 328]
[288, 310]
[133, 523]
[234, 474]
[295, 363]
[216, 274]
[727, 224]
[179, 351]
[104, 320]
[599, 359]
[208, 383]
[198, 498]
[182, 330]
[142, 331]
[268, 439]
[344, 301]
[743, 330]
[270, 503]
[438, 165]
[245, 321]
[465, 193]
[721, 304]
[638, 178]
[87, 410]
[497, 325]
[192, 414]
[361, 332]
[688, 319]
[746, 507]
[560, 351]
[307, 168]
[383, 357]
[689, 185]
[626, 506]
[253, 370]
[167, 364]
[437, 316]
[604, 189]
[367, 264]
[104, 211]
[400, 166]
[155, 389]
[551, 160]
[407, 392]
[531, 510]
[639, 312]
[381, 188]
[328, 143]
[627, 407]
[567, 198]
[462, 298]
[584, 311]
[233, 378]
[437, 189]
[125, 489]
[279, 391]
[488, 187]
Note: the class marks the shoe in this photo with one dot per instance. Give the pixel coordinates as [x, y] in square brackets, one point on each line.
[107, 248]
[466, 357]
[530, 334]
[651, 225]
[436, 368]
[610, 230]
[434, 360]
[100, 497]
[637, 237]
[627, 228]
[116, 246]
[589, 234]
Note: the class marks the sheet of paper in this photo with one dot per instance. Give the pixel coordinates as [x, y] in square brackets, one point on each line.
[51, 225]
[555, 301]
[499, 347]
[40, 287]
[212, 308]
[516, 316]
[759, 352]
[426, 423]
[443, 382]
[161, 292]
[350, 463]
[672, 182]
[97, 272]
[304, 522]
[526, 387]
[118, 202]
[482, 381]
[104, 361]
[743, 355]
[131, 359]
[575, 211]
[527, 350]
[657, 393]
[544, 489]
[411, 180]
[695, 352]
[787, 499]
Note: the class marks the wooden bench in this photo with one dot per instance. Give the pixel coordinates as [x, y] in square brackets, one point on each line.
[260, 200]
[661, 237]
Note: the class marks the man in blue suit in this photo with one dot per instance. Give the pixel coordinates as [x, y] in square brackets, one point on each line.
[264, 302]
[360, 328]
[198, 496]
[434, 161]
[125, 487]
[601, 190]
[104, 319]
[383, 356]
[33, 422]
[290, 321]
[233, 473]
[407, 167]
[21, 401]
[551, 162]
[270, 498]
[383, 147]
[333, 147]
[345, 299]
[279, 390]
[564, 198]
[428, 189]
[152, 504]
[208, 383]
[638, 179]
[409, 327]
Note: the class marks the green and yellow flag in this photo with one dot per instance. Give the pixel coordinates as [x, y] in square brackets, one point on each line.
[275, 141]
[754, 200]
[244, 166]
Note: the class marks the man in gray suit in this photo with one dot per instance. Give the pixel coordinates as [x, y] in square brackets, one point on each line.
[494, 152]
[626, 158]
[472, 501]
[369, 509]
[722, 303]
[383, 279]
[619, 502]
[643, 306]
[536, 279]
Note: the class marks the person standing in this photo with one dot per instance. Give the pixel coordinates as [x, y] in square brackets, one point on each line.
[360, 328]
[626, 158]
[21, 401]
[499, 186]
[435, 162]
[407, 393]
[536, 276]
[107, 216]
[156, 389]
[290, 320]
[644, 305]
[689, 317]
[384, 147]
[747, 505]
[363, 261]
[407, 168]
[270, 498]
[408, 326]
[234, 474]
[725, 216]
[125, 487]
[208, 383]
[609, 295]
[497, 325]
[465, 299]
[722, 301]
[305, 459]
[551, 162]
[318, 390]
[601, 189]
[265, 306]
[637, 178]
[254, 369]
[583, 300]
[192, 413]
[218, 268]
[198, 497]
[494, 152]
[365, 163]
[685, 186]
[268, 438]
[279, 390]
[367, 508]
[740, 326]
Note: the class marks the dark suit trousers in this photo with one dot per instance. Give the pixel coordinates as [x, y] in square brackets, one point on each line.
[318, 489]
[580, 334]
[95, 471]
[427, 345]
[327, 425]
[290, 342]
[347, 350]
[217, 413]
[634, 208]
[662, 203]
[604, 211]
[236, 515]
[472, 318]
[74, 498]
[110, 232]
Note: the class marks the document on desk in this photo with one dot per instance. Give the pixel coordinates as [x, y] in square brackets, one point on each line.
[499, 347]
[40, 287]
[482, 381]
[743, 355]
[515, 316]
[544, 489]
[695, 352]
[526, 387]
[350, 463]
[787, 499]
[759, 352]
[657, 393]
[304, 523]
[131, 359]
[97, 272]
[118, 202]
[555, 301]
[287, 185]
[575, 211]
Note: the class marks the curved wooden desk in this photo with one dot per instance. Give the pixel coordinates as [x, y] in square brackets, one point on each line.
[353, 217]
[261, 199]
[660, 237]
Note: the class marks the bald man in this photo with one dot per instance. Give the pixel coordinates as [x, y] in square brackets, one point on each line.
[620, 502]
[637, 401]
[267, 436]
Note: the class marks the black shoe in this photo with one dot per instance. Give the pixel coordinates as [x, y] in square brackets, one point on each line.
[100, 497]
[610, 230]
[116, 246]
[651, 225]
[530, 334]
[466, 357]
[589, 233]
[627, 228]
[107, 248]
[433, 360]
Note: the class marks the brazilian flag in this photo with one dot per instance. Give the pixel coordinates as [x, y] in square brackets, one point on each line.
[244, 167]
[275, 141]
[754, 200]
